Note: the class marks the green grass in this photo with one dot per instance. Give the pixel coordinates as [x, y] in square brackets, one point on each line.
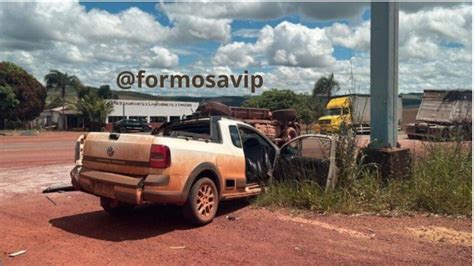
[440, 183]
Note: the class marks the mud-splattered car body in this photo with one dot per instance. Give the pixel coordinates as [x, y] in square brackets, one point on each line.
[234, 159]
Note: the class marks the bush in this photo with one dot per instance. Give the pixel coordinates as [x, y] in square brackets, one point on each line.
[29, 93]
[440, 183]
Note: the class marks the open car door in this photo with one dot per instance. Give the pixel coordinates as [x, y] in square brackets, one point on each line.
[308, 158]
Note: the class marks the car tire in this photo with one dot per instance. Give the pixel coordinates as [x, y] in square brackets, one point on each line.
[284, 114]
[445, 134]
[215, 108]
[122, 130]
[114, 207]
[202, 203]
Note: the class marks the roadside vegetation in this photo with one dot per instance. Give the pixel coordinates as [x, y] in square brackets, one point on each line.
[440, 183]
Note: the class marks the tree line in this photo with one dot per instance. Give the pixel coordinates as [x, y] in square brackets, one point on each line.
[23, 97]
[309, 107]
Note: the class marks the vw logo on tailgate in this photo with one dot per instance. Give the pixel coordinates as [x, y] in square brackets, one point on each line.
[110, 151]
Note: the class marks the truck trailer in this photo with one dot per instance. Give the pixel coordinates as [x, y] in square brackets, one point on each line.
[350, 111]
[443, 114]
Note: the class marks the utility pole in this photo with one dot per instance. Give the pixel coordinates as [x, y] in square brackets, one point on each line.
[384, 74]
[394, 162]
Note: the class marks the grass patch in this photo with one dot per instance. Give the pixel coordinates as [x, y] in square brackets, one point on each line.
[441, 183]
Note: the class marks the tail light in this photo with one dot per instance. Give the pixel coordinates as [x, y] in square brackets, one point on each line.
[160, 156]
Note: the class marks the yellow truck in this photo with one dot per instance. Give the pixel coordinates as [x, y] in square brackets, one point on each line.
[349, 111]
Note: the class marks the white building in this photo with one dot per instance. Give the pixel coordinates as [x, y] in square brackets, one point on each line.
[151, 111]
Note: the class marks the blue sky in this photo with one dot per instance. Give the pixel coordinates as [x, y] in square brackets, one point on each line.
[290, 44]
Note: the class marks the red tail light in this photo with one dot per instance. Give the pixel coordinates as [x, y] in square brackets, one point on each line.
[160, 156]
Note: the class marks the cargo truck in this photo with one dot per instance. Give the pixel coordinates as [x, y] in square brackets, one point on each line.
[349, 112]
[443, 114]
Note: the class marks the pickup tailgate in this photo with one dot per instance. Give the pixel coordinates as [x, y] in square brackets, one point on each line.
[118, 153]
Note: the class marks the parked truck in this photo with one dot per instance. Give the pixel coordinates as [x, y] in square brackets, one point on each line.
[194, 163]
[443, 114]
[350, 111]
[279, 126]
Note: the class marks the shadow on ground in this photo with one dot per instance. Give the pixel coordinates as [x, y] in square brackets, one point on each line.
[143, 222]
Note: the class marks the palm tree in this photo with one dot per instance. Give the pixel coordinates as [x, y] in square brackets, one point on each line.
[57, 79]
[322, 92]
[325, 86]
[94, 110]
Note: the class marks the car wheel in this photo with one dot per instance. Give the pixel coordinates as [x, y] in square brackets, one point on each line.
[122, 130]
[202, 203]
[115, 207]
[445, 134]
[284, 114]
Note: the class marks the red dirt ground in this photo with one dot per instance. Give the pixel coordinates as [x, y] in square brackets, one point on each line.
[72, 228]
[45, 149]
[77, 231]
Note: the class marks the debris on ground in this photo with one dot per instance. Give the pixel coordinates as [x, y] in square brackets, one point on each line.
[231, 218]
[179, 247]
[52, 201]
[59, 188]
[17, 253]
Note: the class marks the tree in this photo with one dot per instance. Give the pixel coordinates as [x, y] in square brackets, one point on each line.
[282, 99]
[322, 91]
[29, 93]
[273, 99]
[53, 101]
[94, 110]
[105, 92]
[63, 81]
[8, 102]
[83, 91]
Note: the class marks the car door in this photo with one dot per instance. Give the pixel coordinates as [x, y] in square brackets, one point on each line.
[308, 158]
[260, 154]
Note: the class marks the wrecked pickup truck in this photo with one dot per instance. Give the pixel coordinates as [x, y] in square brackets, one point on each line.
[280, 126]
[193, 163]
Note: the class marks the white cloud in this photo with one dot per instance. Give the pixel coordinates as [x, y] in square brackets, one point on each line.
[160, 57]
[298, 45]
[246, 33]
[435, 42]
[350, 37]
[287, 44]
[235, 54]
[65, 36]
[195, 28]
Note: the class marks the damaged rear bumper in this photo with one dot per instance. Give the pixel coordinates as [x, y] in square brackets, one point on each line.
[134, 190]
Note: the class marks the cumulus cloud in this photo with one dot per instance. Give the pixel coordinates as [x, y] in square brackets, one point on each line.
[64, 35]
[435, 42]
[287, 44]
[350, 37]
[235, 54]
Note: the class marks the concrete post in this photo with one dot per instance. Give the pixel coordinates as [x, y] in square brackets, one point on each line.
[384, 74]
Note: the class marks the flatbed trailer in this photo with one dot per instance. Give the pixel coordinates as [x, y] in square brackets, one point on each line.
[443, 114]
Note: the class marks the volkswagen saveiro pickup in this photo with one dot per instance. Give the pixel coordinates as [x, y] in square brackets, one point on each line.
[192, 163]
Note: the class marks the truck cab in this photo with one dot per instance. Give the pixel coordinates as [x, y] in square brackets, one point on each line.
[337, 114]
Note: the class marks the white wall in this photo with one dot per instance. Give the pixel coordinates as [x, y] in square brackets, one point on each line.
[151, 108]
